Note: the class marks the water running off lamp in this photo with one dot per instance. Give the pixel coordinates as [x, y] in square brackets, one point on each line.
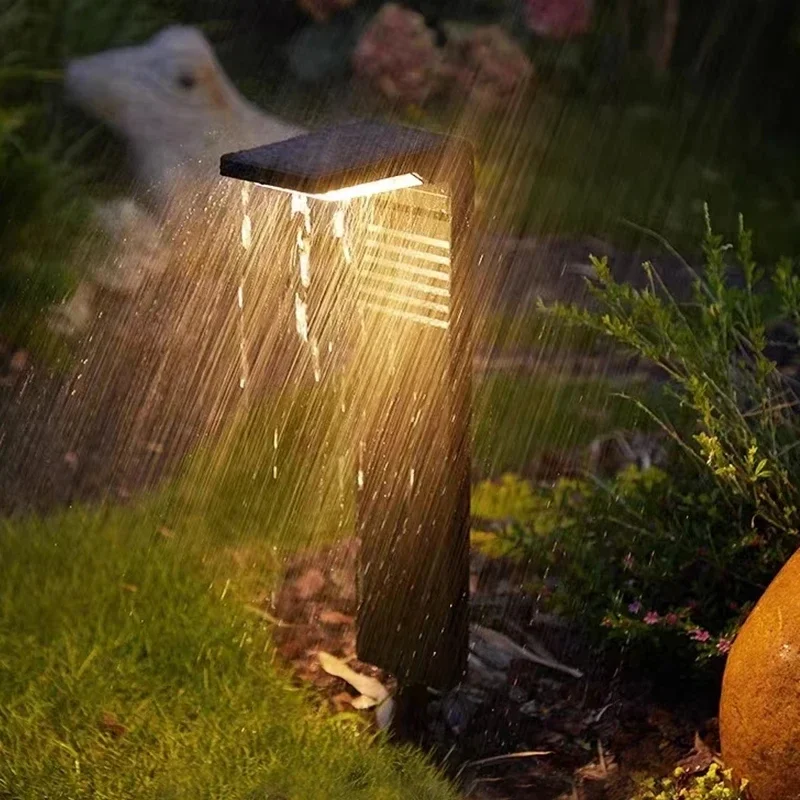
[386, 214]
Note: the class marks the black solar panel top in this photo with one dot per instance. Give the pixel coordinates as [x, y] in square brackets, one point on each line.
[337, 157]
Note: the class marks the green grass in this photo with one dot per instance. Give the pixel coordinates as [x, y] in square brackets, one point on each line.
[140, 613]
[100, 614]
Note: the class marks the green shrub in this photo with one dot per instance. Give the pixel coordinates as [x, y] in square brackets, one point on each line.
[43, 201]
[743, 411]
[42, 212]
[713, 785]
[674, 561]
[654, 561]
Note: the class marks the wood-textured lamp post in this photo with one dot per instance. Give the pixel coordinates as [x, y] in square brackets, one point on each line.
[383, 249]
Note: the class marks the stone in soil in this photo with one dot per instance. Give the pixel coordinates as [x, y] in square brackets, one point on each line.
[760, 705]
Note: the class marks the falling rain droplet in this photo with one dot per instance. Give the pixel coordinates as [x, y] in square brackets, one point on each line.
[315, 359]
[242, 338]
[360, 475]
[411, 476]
[338, 223]
[247, 232]
[304, 254]
[301, 317]
[275, 439]
[299, 204]
[305, 268]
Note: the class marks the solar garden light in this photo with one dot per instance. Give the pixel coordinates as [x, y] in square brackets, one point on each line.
[382, 271]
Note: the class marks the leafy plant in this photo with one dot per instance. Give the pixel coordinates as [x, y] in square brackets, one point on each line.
[43, 204]
[656, 561]
[744, 427]
[674, 560]
[715, 784]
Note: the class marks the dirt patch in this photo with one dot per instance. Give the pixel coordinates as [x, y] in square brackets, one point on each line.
[517, 728]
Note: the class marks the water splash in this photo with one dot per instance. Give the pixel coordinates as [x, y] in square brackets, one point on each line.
[301, 317]
[247, 232]
[315, 362]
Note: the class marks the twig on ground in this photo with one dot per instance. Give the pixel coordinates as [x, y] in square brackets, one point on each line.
[265, 615]
[486, 762]
[531, 641]
[498, 650]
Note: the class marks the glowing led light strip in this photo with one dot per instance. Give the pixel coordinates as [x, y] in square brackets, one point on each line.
[406, 181]
[435, 323]
[393, 248]
[413, 237]
[404, 298]
[414, 270]
[420, 287]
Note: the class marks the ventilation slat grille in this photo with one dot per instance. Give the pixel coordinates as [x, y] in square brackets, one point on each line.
[405, 264]
[391, 233]
[423, 272]
[407, 252]
[403, 283]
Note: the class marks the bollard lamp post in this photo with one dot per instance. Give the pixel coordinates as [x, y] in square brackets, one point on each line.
[383, 265]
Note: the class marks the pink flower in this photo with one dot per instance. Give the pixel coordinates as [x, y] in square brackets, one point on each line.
[558, 19]
[699, 635]
[487, 64]
[652, 618]
[671, 619]
[724, 645]
[397, 54]
[635, 607]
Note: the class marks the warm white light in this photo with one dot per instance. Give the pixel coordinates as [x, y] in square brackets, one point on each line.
[392, 184]
[371, 187]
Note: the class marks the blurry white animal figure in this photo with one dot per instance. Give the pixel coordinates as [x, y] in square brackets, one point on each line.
[177, 111]
[171, 101]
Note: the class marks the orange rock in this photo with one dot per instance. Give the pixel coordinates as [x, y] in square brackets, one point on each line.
[760, 705]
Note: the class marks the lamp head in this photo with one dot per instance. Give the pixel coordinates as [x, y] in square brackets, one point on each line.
[340, 163]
